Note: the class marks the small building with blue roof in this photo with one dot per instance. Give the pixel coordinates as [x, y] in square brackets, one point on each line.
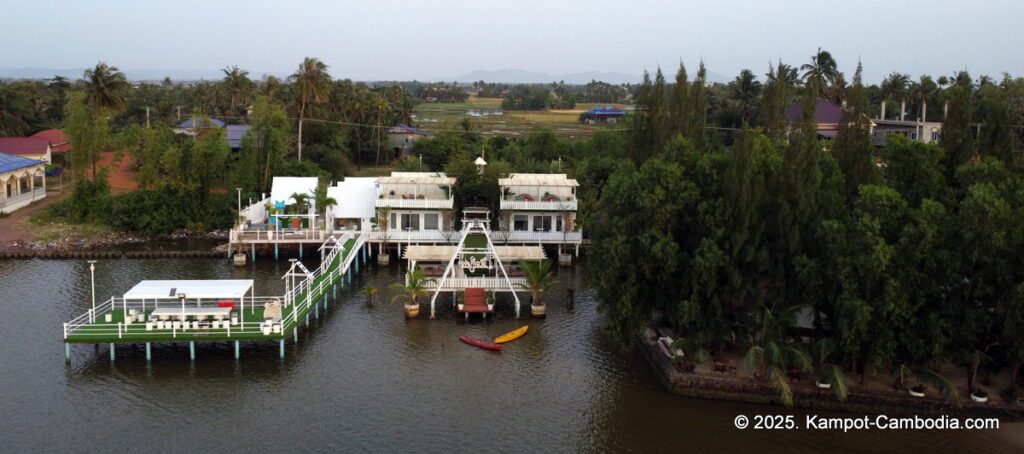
[603, 115]
[22, 181]
[401, 138]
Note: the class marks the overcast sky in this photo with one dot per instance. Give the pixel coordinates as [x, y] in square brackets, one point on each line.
[443, 39]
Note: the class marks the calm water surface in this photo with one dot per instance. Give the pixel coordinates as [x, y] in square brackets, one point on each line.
[365, 379]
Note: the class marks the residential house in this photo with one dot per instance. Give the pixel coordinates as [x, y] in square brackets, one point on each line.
[418, 205]
[235, 134]
[539, 208]
[827, 115]
[59, 142]
[22, 182]
[603, 115]
[356, 207]
[401, 138]
[36, 148]
[917, 129]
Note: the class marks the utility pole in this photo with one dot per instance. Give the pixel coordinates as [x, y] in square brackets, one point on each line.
[147, 117]
[179, 113]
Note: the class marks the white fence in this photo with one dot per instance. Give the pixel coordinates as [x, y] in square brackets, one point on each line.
[416, 203]
[560, 205]
[488, 283]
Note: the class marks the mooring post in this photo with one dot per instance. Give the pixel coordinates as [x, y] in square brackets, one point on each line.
[67, 353]
[237, 351]
[192, 350]
[149, 352]
[112, 354]
[282, 348]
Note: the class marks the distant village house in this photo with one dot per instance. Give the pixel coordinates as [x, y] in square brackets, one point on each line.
[603, 115]
[401, 138]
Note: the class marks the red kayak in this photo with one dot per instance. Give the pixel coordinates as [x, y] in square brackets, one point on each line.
[482, 343]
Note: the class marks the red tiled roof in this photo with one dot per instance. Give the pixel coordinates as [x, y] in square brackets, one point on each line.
[58, 141]
[23, 145]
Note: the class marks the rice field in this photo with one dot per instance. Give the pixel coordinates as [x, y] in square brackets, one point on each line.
[486, 116]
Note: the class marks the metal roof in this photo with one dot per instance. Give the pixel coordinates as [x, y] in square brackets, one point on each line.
[10, 163]
[417, 178]
[24, 145]
[444, 253]
[59, 142]
[606, 111]
[826, 112]
[538, 179]
[403, 128]
[235, 133]
[214, 288]
[187, 124]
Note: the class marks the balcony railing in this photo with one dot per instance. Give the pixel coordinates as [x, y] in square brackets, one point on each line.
[537, 237]
[398, 236]
[444, 204]
[26, 196]
[488, 283]
[554, 205]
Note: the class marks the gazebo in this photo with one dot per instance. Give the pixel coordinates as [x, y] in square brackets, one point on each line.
[191, 294]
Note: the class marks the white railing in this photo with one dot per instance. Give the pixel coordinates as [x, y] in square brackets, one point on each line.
[555, 205]
[542, 237]
[85, 326]
[416, 203]
[398, 236]
[250, 234]
[489, 283]
[27, 196]
[313, 286]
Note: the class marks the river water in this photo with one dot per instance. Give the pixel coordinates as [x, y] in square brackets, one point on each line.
[365, 379]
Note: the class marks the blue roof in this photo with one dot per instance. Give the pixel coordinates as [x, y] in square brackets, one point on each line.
[10, 163]
[403, 128]
[235, 134]
[187, 124]
[609, 111]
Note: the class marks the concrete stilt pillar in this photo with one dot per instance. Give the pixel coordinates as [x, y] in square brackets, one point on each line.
[67, 353]
[281, 348]
[276, 253]
[295, 334]
[300, 250]
[335, 290]
[113, 353]
[229, 249]
[237, 351]
[355, 263]
[307, 318]
[254, 252]
[149, 352]
[316, 311]
[192, 350]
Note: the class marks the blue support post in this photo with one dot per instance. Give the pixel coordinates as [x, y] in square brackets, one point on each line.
[67, 353]
[149, 352]
[275, 252]
[355, 263]
[192, 350]
[229, 249]
[325, 302]
[300, 250]
[295, 334]
[237, 351]
[307, 318]
[112, 354]
[254, 252]
[335, 290]
[282, 348]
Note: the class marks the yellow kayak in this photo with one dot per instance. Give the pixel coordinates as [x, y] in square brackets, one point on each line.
[511, 335]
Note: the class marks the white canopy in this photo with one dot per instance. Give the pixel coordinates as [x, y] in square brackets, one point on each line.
[538, 179]
[356, 197]
[208, 289]
[444, 253]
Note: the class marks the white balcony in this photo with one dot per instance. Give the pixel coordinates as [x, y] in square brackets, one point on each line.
[536, 205]
[442, 204]
[537, 237]
[486, 283]
[419, 236]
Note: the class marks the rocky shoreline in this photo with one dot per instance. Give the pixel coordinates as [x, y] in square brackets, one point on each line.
[807, 395]
[111, 246]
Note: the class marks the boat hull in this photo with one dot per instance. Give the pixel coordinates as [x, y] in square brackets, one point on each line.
[481, 343]
[511, 335]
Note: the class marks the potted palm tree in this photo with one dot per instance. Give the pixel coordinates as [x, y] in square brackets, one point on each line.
[771, 355]
[370, 292]
[301, 207]
[414, 287]
[323, 201]
[538, 280]
[915, 377]
[381, 224]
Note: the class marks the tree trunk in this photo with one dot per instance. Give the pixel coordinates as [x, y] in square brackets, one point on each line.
[302, 114]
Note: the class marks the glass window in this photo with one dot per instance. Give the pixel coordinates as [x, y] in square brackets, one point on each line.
[430, 221]
[558, 223]
[520, 223]
[542, 223]
[393, 224]
[935, 135]
[410, 221]
[913, 136]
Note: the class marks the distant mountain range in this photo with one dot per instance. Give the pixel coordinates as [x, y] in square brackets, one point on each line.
[501, 75]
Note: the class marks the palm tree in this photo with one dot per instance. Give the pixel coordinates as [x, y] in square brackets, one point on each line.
[105, 87]
[236, 82]
[771, 356]
[538, 279]
[745, 90]
[894, 87]
[411, 291]
[312, 85]
[321, 200]
[15, 107]
[301, 202]
[831, 374]
[906, 374]
[821, 71]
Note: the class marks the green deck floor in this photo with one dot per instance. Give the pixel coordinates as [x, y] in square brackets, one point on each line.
[136, 332]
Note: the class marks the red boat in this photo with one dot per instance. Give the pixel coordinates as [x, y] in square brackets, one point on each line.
[482, 343]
